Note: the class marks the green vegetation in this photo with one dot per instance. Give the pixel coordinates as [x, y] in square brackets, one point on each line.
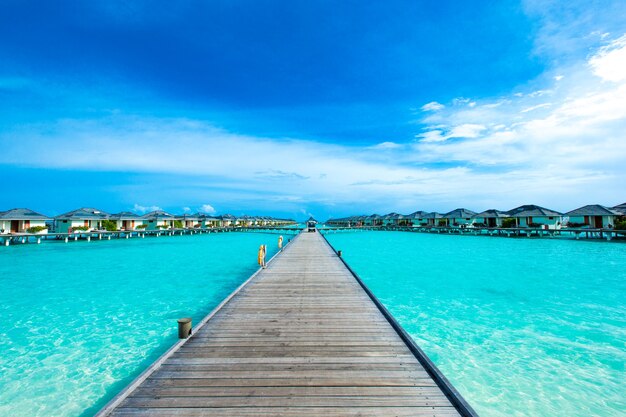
[441, 222]
[141, 226]
[178, 224]
[161, 226]
[508, 223]
[36, 229]
[620, 223]
[109, 225]
[80, 229]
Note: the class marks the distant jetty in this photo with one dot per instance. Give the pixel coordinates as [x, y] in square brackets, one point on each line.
[22, 225]
[85, 219]
[532, 216]
[590, 221]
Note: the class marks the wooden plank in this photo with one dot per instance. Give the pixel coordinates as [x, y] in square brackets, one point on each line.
[300, 339]
[286, 401]
[431, 392]
[288, 412]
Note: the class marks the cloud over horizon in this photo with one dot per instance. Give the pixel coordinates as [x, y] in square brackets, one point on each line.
[554, 137]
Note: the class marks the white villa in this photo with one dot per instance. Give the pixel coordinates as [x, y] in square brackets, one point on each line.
[19, 220]
[417, 218]
[593, 215]
[459, 217]
[491, 218]
[88, 217]
[374, 220]
[245, 221]
[535, 216]
[432, 219]
[621, 208]
[391, 219]
[229, 220]
[159, 219]
[190, 221]
[207, 221]
[126, 220]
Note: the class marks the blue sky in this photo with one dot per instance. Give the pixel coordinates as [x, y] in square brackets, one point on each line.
[298, 107]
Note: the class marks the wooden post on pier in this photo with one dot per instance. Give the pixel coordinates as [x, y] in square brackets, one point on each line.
[184, 328]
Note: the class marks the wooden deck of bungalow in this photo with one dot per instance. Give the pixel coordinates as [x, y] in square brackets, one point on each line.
[93, 235]
[303, 337]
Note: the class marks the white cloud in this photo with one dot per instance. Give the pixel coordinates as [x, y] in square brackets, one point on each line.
[432, 136]
[468, 130]
[462, 101]
[386, 145]
[144, 209]
[432, 106]
[610, 63]
[536, 107]
[539, 93]
[576, 141]
[570, 152]
[558, 77]
[186, 209]
[207, 208]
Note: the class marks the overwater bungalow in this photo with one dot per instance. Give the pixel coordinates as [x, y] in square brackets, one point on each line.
[434, 219]
[284, 222]
[459, 217]
[402, 220]
[246, 221]
[390, 219]
[228, 220]
[84, 217]
[490, 218]
[127, 221]
[159, 219]
[620, 208]
[373, 220]
[21, 220]
[190, 221]
[206, 221]
[417, 218]
[593, 215]
[531, 215]
[339, 222]
[359, 220]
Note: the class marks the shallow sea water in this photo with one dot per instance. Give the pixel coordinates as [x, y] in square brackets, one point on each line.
[521, 327]
[79, 321]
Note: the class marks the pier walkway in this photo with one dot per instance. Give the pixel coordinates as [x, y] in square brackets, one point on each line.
[301, 338]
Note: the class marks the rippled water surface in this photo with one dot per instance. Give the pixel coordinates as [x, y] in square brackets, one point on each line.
[522, 327]
[78, 321]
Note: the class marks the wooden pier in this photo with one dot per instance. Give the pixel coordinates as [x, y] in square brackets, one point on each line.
[303, 337]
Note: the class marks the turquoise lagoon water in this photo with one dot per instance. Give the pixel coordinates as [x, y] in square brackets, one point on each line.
[522, 327]
[79, 321]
